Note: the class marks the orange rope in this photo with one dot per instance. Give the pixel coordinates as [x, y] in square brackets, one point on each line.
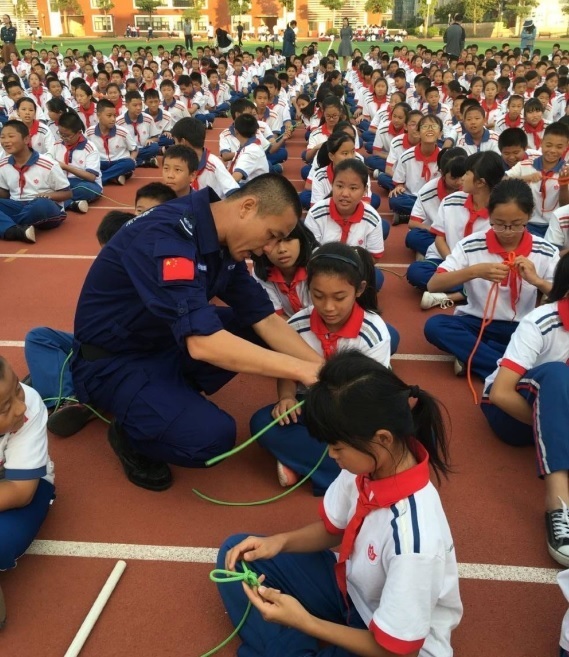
[487, 318]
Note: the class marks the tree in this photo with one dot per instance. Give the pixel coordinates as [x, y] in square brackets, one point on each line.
[105, 6]
[378, 6]
[194, 13]
[20, 9]
[148, 7]
[475, 10]
[238, 10]
[69, 8]
[333, 5]
[521, 9]
[453, 7]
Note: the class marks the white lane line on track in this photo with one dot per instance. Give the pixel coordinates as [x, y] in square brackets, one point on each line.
[479, 571]
[47, 256]
[11, 343]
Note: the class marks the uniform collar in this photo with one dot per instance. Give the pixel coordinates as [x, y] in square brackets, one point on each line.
[139, 118]
[523, 248]
[34, 157]
[112, 132]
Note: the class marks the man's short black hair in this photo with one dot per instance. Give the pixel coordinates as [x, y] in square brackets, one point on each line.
[275, 194]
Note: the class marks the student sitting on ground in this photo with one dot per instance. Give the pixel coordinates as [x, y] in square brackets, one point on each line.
[250, 160]
[179, 169]
[32, 187]
[142, 128]
[163, 121]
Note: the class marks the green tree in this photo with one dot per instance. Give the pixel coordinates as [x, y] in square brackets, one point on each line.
[453, 7]
[288, 5]
[105, 6]
[68, 8]
[148, 7]
[333, 5]
[236, 10]
[475, 10]
[520, 9]
[194, 13]
[378, 6]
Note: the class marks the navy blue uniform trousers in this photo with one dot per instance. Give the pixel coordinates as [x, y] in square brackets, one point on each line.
[311, 580]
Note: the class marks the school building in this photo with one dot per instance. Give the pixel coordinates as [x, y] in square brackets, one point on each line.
[259, 17]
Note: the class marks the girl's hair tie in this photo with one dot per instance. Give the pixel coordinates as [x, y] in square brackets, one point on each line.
[414, 392]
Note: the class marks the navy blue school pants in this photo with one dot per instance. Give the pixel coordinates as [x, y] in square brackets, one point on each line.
[457, 335]
[538, 230]
[305, 197]
[311, 580]
[110, 171]
[402, 204]
[205, 118]
[419, 240]
[221, 110]
[83, 190]
[279, 156]
[367, 136]
[46, 352]
[19, 527]
[41, 212]
[156, 399]
[165, 142]
[374, 162]
[419, 273]
[546, 388]
[385, 181]
[147, 152]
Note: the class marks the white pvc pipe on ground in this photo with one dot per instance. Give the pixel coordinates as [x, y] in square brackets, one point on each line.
[95, 611]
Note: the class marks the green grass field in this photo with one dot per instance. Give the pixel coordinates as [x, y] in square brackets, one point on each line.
[105, 44]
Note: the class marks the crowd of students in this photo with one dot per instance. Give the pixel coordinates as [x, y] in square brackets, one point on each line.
[472, 152]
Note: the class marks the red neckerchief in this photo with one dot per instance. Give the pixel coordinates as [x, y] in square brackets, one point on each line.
[513, 279]
[329, 341]
[563, 310]
[325, 130]
[118, 105]
[535, 130]
[22, 175]
[513, 123]
[487, 109]
[38, 93]
[379, 494]
[69, 149]
[87, 113]
[473, 215]
[290, 290]
[346, 224]
[201, 168]
[330, 173]
[441, 188]
[405, 143]
[379, 100]
[214, 92]
[392, 131]
[426, 160]
[34, 128]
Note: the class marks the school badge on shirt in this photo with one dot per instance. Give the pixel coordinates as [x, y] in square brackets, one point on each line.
[177, 269]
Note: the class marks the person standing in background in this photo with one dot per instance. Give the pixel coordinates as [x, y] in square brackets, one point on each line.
[239, 34]
[188, 36]
[528, 35]
[289, 41]
[8, 36]
[454, 37]
[346, 35]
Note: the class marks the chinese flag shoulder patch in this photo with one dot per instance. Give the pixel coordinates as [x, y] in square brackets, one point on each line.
[178, 269]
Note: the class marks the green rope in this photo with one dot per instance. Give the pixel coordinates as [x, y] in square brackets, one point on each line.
[220, 576]
[270, 499]
[236, 450]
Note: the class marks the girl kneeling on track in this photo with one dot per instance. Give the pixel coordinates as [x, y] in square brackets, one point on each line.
[345, 217]
[282, 271]
[502, 271]
[529, 402]
[26, 471]
[394, 588]
[343, 315]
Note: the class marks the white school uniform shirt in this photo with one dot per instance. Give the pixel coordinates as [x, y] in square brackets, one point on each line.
[379, 119]
[42, 176]
[286, 299]
[212, 173]
[398, 146]
[371, 106]
[443, 112]
[545, 193]
[41, 99]
[163, 121]
[383, 138]
[489, 142]
[195, 98]
[452, 220]
[84, 156]
[558, 229]
[559, 106]
[175, 109]
[402, 574]
[484, 248]
[322, 184]
[276, 115]
[364, 331]
[409, 170]
[541, 337]
[142, 129]
[531, 137]
[250, 161]
[228, 142]
[429, 198]
[23, 453]
[216, 97]
[42, 141]
[365, 229]
[501, 124]
[239, 82]
[118, 145]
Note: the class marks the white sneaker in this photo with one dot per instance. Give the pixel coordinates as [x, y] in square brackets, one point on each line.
[459, 367]
[31, 234]
[82, 206]
[375, 174]
[433, 299]
[121, 180]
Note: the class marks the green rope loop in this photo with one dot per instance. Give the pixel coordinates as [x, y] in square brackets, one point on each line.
[220, 576]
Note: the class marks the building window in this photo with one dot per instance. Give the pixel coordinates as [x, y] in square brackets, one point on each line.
[170, 4]
[102, 23]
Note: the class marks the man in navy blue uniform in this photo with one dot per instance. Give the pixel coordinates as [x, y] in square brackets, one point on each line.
[148, 342]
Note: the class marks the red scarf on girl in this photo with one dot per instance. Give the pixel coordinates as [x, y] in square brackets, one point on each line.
[37, 93]
[535, 130]
[329, 341]
[563, 310]
[473, 215]
[87, 113]
[34, 128]
[346, 224]
[290, 290]
[513, 279]
[513, 123]
[426, 160]
[70, 148]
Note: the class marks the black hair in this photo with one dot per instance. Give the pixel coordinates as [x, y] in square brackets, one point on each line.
[357, 166]
[194, 77]
[274, 193]
[167, 83]
[262, 265]
[332, 145]
[25, 99]
[512, 190]
[560, 287]
[104, 104]
[240, 105]
[190, 129]
[512, 137]
[72, 121]
[132, 95]
[533, 105]
[472, 108]
[453, 161]
[184, 153]
[246, 125]
[18, 126]
[261, 89]
[151, 93]
[57, 105]
[557, 129]
[85, 88]
[111, 223]
[514, 97]
[355, 396]
[354, 264]
[487, 166]
[157, 191]
[431, 117]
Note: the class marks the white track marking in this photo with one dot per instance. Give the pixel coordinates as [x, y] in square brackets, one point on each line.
[478, 571]
[47, 256]
[11, 343]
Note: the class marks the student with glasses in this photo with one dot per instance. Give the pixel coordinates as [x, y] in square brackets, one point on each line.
[508, 255]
